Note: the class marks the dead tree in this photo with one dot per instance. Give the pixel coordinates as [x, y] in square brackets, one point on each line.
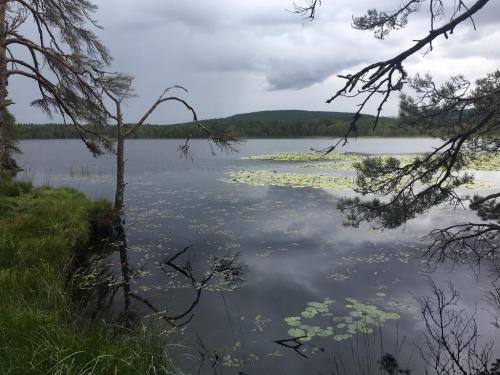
[123, 92]
[452, 341]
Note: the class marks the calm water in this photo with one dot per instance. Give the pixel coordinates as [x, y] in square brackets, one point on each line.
[258, 255]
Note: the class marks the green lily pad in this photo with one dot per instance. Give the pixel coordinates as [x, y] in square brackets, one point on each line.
[361, 318]
[296, 332]
[293, 321]
[309, 313]
[294, 180]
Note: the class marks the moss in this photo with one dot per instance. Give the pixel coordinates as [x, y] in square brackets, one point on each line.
[40, 329]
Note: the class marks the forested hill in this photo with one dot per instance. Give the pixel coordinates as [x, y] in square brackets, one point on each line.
[265, 124]
[290, 116]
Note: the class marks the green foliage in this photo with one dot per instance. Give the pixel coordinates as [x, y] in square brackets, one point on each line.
[102, 217]
[381, 22]
[414, 187]
[268, 124]
[468, 119]
[11, 188]
[290, 116]
[486, 209]
[40, 329]
[8, 145]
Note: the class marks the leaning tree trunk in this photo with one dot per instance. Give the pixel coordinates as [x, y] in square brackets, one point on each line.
[120, 164]
[121, 237]
[7, 146]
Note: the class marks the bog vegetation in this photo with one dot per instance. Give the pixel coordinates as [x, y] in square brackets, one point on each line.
[43, 330]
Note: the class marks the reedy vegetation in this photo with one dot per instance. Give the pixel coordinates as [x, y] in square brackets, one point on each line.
[41, 329]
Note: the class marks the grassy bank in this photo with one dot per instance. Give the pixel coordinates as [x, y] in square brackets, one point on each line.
[40, 329]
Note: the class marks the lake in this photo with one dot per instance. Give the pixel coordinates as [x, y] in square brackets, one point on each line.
[263, 279]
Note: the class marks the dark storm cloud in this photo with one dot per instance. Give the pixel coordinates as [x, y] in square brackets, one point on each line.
[209, 16]
[259, 38]
[298, 76]
[237, 55]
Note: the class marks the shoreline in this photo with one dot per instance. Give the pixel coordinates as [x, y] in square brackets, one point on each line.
[45, 240]
[250, 138]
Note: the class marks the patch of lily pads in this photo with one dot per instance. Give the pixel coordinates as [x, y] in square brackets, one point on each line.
[346, 160]
[308, 156]
[485, 162]
[479, 184]
[335, 159]
[361, 318]
[314, 180]
[341, 165]
[340, 161]
[295, 180]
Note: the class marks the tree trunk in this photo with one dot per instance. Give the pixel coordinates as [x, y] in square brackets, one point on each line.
[118, 206]
[3, 89]
[8, 165]
[125, 268]
[120, 163]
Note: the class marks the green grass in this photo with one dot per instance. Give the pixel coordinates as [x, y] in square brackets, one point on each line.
[41, 229]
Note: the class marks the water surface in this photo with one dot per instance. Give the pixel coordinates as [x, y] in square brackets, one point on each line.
[280, 249]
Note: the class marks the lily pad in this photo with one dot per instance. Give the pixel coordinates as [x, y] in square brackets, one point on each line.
[293, 321]
[295, 180]
[297, 332]
[361, 318]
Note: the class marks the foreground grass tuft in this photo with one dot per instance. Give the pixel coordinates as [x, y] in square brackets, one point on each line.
[40, 331]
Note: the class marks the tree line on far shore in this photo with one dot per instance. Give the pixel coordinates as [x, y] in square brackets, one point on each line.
[326, 127]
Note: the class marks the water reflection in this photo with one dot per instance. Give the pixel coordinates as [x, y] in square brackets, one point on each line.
[225, 273]
[234, 261]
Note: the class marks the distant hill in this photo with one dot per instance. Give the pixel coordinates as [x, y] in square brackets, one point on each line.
[289, 116]
[263, 124]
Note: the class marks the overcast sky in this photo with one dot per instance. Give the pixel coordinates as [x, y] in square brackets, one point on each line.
[239, 56]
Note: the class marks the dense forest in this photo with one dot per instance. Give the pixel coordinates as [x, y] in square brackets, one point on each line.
[265, 124]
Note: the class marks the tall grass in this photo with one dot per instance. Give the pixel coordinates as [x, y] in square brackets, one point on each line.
[79, 171]
[41, 332]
